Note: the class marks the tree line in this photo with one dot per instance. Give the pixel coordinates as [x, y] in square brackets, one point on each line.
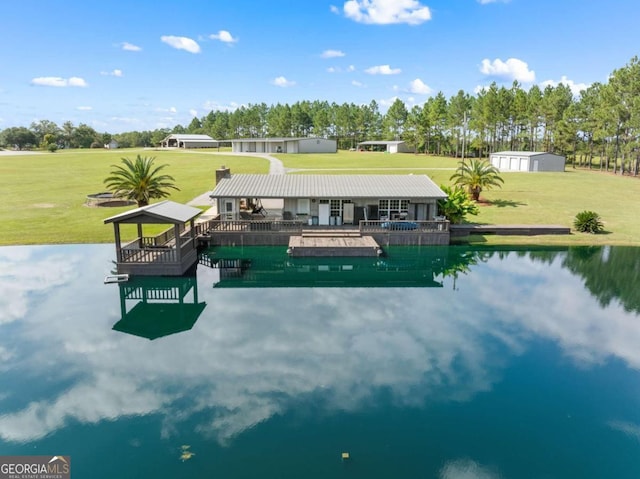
[598, 128]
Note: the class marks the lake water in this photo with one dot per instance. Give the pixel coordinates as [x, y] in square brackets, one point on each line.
[447, 363]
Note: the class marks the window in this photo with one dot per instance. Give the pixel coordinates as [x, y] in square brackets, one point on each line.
[304, 206]
[394, 208]
[336, 206]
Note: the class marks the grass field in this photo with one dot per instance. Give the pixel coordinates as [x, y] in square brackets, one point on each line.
[44, 194]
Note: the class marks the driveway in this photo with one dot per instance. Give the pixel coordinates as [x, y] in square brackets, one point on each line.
[275, 168]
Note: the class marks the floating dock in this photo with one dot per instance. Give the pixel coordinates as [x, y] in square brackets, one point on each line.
[336, 243]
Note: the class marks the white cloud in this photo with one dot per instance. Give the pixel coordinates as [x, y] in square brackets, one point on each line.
[383, 12]
[512, 69]
[575, 88]
[419, 87]
[332, 54]
[181, 43]
[193, 112]
[357, 83]
[283, 82]
[59, 82]
[387, 102]
[223, 36]
[130, 47]
[84, 108]
[172, 109]
[19, 283]
[466, 469]
[382, 70]
[113, 73]
[628, 428]
[349, 69]
[212, 105]
[486, 2]
[126, 120]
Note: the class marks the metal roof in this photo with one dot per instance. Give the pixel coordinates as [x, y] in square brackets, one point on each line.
[169, 211]
[273, 140]
[180, 136]
[327, 186]
[523, 153]
[381, 142]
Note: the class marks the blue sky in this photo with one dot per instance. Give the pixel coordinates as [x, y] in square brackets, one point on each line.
[137, 64]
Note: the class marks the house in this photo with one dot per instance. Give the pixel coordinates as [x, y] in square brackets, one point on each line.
[386, 146]
[189, 141]
[112, 145]
[284, 145]
[332, 199]
[527, 161]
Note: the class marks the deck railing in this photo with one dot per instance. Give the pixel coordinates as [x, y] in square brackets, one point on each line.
[258, 226]
[158, 249]
[296, 226]
[150, 254]
[403, 226]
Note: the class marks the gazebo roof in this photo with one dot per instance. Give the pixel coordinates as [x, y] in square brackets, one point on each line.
[162, 212]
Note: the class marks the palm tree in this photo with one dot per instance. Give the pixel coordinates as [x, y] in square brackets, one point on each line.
[477, 175]
[139, 180]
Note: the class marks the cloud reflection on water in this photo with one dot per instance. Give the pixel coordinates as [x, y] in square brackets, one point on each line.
[253, 353]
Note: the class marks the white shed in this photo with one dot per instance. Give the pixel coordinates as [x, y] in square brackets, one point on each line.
[283, 145]
[527, 161]
[394, 146]
[189, 141]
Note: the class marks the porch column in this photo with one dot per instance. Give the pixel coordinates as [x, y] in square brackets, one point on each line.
[176, 232]
[116, 231]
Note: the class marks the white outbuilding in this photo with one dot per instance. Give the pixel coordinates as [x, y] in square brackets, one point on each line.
[284, 145]
[394, 146]
[527, 161]
[189, 141]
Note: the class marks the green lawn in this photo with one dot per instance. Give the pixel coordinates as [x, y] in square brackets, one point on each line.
[363, 160]
[44, 195]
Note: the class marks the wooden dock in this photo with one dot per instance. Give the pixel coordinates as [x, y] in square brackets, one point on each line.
[336, 243]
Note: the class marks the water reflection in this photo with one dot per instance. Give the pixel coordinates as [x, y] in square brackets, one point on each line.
[160, 306]
[400, 267]
[256, 354]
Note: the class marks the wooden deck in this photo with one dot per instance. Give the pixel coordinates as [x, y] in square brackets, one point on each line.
[333, 243]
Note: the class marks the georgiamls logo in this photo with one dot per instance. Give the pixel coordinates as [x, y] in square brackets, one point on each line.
[36, 467]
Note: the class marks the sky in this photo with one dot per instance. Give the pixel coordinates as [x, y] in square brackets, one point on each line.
[141, 65]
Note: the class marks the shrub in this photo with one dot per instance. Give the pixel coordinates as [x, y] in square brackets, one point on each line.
[588, 222]
[457, 205]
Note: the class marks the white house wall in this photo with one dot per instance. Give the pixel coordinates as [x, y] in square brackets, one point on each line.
[420, 209]
[316, 145]
[539, 162]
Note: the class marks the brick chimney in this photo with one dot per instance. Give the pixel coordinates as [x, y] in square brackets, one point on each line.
[222, 172]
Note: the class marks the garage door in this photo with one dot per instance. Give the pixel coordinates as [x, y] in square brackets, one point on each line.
[524, 163]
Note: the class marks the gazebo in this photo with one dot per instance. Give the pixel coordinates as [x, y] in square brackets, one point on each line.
[171, 253]
[161, 306]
